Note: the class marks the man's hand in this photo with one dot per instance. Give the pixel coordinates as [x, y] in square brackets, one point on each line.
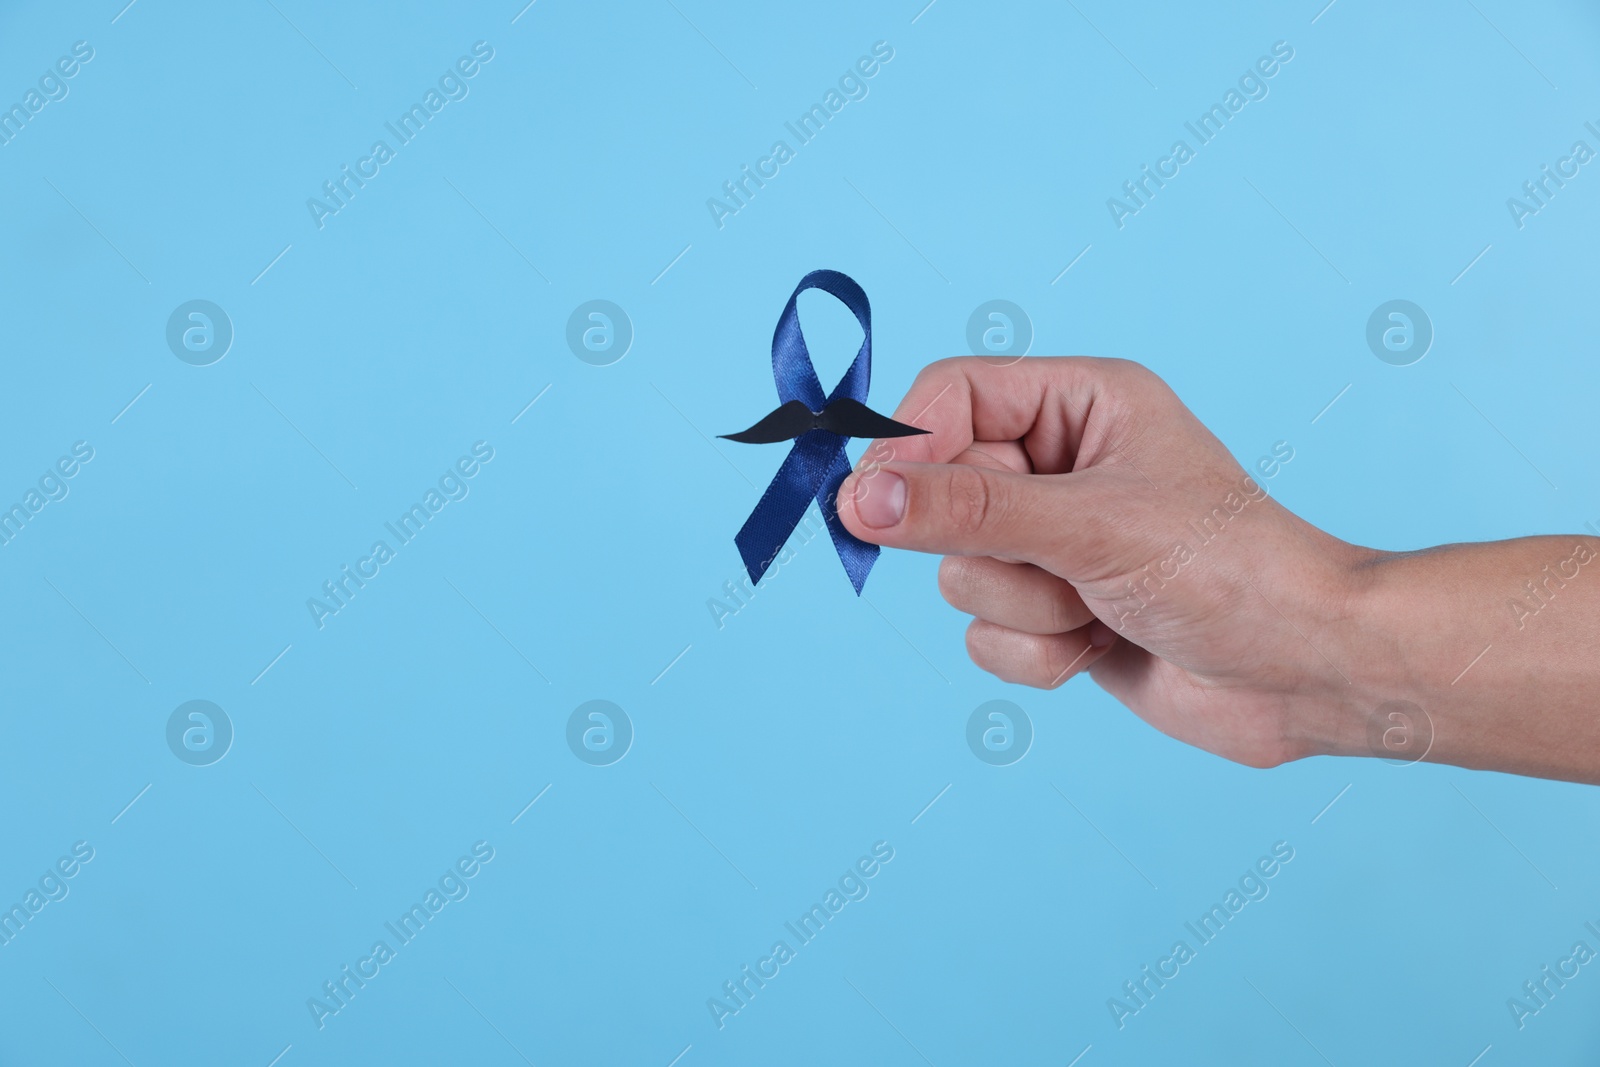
[1091, 523]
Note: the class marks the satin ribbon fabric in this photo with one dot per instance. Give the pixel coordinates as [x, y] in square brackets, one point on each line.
[817, 462]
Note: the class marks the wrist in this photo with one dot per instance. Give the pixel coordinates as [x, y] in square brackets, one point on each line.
[1359, 691]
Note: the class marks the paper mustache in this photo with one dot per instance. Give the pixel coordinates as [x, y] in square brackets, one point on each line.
[845, 416]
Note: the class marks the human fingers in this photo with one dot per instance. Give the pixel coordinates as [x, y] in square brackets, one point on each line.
[1019, 597]
[1056, 406]
[996, 455]
[1069, 524]
[1000, 456]
[1043, 661]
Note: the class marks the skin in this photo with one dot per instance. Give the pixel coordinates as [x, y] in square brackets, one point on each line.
[1090, 523]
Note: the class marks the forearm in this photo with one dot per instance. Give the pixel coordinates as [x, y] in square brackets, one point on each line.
[1498, 644]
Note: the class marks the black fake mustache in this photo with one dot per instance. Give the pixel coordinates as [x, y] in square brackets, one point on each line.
[844, 416]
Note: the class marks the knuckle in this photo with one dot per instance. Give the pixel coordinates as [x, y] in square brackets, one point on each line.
[1131, 370]
[968, 500]
[940, 372]
[951, 366]
[1144, 381]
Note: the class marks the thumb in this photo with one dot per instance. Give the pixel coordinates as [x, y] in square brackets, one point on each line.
[960, 510]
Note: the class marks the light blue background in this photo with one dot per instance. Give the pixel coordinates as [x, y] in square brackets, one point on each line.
[778, 748]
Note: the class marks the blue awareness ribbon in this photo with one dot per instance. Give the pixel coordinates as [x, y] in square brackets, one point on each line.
[817, 463]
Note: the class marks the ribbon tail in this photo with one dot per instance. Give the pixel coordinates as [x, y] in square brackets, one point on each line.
[857, 555]
[781, 508]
